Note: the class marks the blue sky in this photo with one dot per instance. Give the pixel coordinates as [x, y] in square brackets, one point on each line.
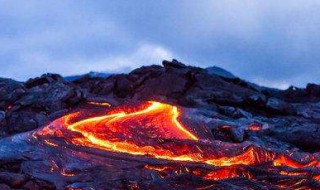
[274, 43]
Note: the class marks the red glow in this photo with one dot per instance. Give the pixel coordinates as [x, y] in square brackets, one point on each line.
[254, 128]
[106, 104]
[130, 133]
[154, 130]
[226, 173]
[285, 161]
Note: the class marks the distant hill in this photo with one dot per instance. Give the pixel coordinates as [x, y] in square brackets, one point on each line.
[91, 74]
[220, 72]
[214, 70]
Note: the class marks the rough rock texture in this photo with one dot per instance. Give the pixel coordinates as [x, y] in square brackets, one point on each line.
[27, 106]
[289, 119]
[12, 178]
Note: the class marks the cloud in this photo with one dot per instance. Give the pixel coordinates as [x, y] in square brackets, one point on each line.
[268, 42]
[33, 64]
[271, 83]
[145, 53]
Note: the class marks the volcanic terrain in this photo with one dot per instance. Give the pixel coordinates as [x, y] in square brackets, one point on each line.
[158, 127]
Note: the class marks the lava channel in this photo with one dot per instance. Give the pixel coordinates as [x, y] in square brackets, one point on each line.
[154, 130]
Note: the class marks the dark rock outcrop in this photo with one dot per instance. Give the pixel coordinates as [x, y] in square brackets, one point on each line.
[279, 107]
[12, 178]
[27, 106]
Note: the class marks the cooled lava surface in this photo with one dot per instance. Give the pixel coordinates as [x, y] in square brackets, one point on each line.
[152, 145]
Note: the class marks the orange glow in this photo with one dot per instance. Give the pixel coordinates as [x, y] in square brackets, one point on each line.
[226, 127]
[165, 115]
[254, 128]
[153, 130]
[50, 143]
[317, 177]
[293, 173]
[9, 108]
[155, 122]
[67, 174]
[157, 168]
[226, 173]
[286, 161]
[129, 132]
[106, 104]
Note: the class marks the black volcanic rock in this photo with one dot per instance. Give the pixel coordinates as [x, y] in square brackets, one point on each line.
[294, 94]
[174, 64]
[2, 116]
[12, 178]
[305, 136]
[228, 134]
[123, 86]
[4, 187]
[299, 95]
[27, 106]
[44, 79]
[10, 91]
[259, 100]
[313, 90]
[7, 86]
[51, 97]
[176, 83]
[25, 121]
[279, 106]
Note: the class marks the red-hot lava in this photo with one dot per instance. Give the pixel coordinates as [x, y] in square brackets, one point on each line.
[153, 130]
[254, 127]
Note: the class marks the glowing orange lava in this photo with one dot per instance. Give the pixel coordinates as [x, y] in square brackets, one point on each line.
[159, 118]
[154, 130]
[226, 173]
[282, 160]
[106, 104]
[254, 128]
[141, 132]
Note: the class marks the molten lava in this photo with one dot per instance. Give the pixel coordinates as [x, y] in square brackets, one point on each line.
[254, 128]
[153, 130]
[106, 104]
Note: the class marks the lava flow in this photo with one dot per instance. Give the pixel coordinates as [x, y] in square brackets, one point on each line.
[153, 130]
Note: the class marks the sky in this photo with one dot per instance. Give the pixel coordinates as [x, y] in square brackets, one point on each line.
[273, 43]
